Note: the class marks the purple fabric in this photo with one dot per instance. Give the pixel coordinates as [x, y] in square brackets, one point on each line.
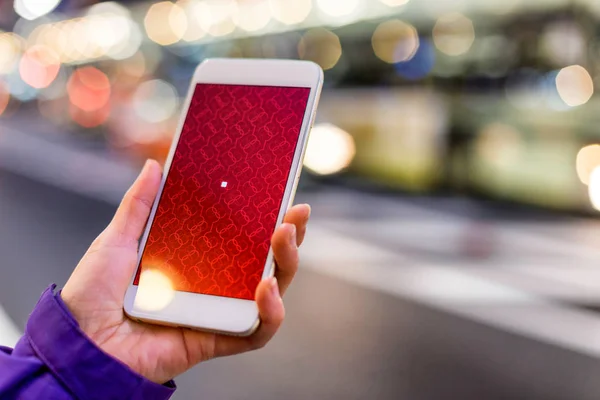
[56, 360]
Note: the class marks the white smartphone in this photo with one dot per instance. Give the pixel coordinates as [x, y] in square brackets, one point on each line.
[229, 179]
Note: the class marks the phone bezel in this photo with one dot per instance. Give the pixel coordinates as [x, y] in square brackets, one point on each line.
[215, 313]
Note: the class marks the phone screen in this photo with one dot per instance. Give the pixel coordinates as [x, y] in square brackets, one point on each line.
[218, 209]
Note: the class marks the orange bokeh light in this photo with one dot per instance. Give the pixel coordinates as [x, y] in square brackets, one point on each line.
[89, 119]
[39, 66]
[89, 89]
[4, 98]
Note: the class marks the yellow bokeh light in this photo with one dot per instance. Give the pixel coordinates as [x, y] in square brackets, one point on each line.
[320, 46]
[252, 15]
[330, 150]
[453, 34]
[588, 159]
[594, 188]
[155, 291]
[11, 46]
[290, 12]
[394, 3]
[338, 8]
[193, 11]
[216, 16]
[165, 23]
[395, 41]
[575, 85]
[499, 144]
[4, 97]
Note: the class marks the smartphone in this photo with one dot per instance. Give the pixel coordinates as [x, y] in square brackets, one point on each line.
[231, 174]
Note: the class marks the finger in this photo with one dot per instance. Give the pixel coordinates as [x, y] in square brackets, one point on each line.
[272, 313]
[298, 215]
[285, 251]
[130, 219]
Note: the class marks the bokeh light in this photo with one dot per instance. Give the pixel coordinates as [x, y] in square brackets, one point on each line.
[19, 89]
[594, 188]
[155, 101]
[453, 34]
[33, 9]
[394, 3]
[564, 43]
[39, 66]
[330, 149]
[89, 119]
[88, 89]
[114, 35]
[320, 46]
[58, 88]
[194, 13]
[588, 159]
[252, 15]
[10, 51]
[575, 85]
[216, 16]
[499, 143]
[395, 41]
[155, 291]
[338, 8]
[290, 12]
[4, 97]
[165, 23]
[420, 65]
[133, 68]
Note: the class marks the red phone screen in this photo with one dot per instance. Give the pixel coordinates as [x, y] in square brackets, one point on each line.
[212, 228]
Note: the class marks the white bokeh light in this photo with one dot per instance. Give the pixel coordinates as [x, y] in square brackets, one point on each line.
[155, 291]
[594, 188]
[330, 150]
[155, 101]
[33, 9]
[338, 8]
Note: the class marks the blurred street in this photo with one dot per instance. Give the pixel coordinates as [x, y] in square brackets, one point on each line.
[453, 173]
[397, 297]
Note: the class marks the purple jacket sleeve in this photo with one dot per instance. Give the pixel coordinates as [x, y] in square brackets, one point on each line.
[56, 360]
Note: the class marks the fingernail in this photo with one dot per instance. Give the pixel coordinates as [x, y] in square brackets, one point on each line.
[293, 235]
[275, 288]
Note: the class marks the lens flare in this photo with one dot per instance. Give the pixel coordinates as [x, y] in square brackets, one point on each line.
[155, 291]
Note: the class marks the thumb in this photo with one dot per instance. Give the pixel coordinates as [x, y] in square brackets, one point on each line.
[130, 219]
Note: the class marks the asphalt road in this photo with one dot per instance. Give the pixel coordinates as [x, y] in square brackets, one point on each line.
[346, 337]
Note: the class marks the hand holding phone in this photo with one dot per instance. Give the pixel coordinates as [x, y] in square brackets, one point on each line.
[229, 179]
[94, 293]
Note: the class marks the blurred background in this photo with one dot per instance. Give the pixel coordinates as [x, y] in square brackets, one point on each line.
[453, 173]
